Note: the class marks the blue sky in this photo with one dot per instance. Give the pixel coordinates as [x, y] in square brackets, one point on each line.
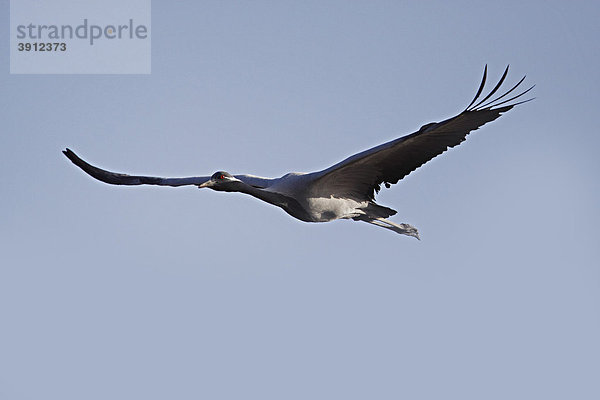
[144, 292]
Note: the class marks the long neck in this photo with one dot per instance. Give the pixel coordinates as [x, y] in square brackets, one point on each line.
[270, 197]
[289, 204]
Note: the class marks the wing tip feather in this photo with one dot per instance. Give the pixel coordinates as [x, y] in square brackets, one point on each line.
[495, 102]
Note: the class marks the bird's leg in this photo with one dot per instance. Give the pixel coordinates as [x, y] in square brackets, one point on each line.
[382, 225]
[376, 223]
[404, 229]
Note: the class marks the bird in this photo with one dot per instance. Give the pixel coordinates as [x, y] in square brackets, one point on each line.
[347, 189]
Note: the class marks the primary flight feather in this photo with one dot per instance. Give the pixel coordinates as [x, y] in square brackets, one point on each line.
[347, 189]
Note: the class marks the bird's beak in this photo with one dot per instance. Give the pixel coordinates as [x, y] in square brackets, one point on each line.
[208, 183]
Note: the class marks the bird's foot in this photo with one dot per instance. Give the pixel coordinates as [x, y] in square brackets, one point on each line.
[404, 229]
[407, 229]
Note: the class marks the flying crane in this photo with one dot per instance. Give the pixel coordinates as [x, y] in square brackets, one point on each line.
[347, 189]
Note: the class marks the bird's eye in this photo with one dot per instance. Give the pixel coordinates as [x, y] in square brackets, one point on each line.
[221, 176]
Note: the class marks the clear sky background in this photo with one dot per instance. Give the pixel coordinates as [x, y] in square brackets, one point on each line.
[150, 293]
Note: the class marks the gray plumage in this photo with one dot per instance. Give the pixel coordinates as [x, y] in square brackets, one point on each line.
[347, 189]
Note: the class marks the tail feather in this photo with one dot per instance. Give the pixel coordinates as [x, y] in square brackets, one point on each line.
[373, 210]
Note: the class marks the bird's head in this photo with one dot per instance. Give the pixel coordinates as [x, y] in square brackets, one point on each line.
[222, 181]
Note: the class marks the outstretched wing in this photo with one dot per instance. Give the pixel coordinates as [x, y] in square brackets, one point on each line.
[361, 175]
[123, 179]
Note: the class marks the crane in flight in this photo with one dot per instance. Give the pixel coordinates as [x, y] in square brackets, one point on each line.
[347, 189]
